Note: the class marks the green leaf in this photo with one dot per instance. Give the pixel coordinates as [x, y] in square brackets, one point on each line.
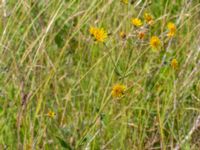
[61, 35]
[64, 144]
[59, 40]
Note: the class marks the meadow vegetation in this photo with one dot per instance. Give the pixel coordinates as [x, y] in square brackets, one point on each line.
[100, 74]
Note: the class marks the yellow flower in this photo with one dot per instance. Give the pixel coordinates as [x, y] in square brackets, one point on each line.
[118, 90]
[148, 18]
[155, 42]
[51, 114]
[172, 29]
[136, 22]
[122, 35]
[174, 63]
[99, 34]
[125, 1]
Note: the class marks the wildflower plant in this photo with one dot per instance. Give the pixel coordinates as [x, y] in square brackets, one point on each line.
[92, 63]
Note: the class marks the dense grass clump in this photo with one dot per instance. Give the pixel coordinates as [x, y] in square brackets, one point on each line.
[100, 74]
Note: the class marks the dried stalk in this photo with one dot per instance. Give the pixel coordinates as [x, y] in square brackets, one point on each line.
[194, 128]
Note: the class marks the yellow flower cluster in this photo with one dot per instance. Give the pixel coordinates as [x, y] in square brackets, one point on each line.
[99, 34]
[138, 22]
[155, 43]
[118, 90]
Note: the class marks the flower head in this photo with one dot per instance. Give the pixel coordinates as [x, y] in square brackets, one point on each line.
[99, 34]
[155, 42]
[141, 35]
[174, 63]
[51, 114]
[136, 22]
[172, 29]
[118, 90]
[148, 18]
[122, 35]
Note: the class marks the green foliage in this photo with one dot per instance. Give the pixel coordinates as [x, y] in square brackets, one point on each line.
[49, 61]
[64, 144]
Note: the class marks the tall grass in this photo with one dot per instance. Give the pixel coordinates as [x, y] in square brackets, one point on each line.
[50, 62]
